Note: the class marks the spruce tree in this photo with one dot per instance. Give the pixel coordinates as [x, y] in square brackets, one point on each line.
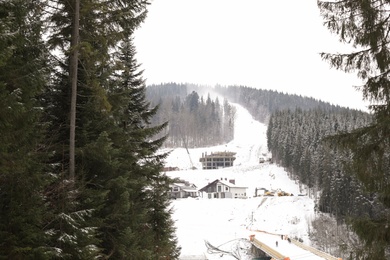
[365, 24]
[129, 204]
[115, 150]
[74, 226]
[23, 150]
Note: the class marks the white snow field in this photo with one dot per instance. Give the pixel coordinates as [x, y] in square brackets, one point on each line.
[223, 222]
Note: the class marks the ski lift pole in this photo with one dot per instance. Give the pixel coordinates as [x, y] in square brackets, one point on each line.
[185, 145]
[189, 156]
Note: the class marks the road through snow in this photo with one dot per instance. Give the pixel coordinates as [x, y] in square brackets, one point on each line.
[220, 221]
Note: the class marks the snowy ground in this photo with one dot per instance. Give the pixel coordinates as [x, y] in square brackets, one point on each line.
[220, 221]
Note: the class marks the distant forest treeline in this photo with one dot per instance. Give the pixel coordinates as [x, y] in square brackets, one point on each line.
[300, 136]
[297, 140]
[305, 136]
[261, 103]
[310, 145]
[194, 120]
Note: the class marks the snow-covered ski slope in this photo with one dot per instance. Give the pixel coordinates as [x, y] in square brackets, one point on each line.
[223, 221]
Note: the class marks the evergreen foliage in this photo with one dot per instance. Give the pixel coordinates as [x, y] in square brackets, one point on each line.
[365, 25]
[193, 121]
[296, 140]
[116, 206]
[261, 103]
[23, 177]
[299, 142]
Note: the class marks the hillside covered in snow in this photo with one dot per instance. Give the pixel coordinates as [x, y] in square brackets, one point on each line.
[221, 221]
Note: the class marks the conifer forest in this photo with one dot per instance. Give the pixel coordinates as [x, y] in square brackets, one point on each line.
[193, 120]
[81, 175]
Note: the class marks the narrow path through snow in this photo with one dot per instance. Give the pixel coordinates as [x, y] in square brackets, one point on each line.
[221, 220]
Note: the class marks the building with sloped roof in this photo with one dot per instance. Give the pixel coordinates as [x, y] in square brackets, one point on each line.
[222, 188]
[183, 189]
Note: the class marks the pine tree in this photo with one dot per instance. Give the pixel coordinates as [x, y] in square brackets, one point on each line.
[161, 221]
[129, 202]
[113, 139]
[73, 225]
[102, 210]
[73, 72]
[23, 175]
[365, 24]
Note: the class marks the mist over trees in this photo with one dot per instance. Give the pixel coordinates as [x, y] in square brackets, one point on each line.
[307, 137]
[111, 201]
[194, 121]
[261, 103]
[361, 150]
[297, 140]
[301, 139]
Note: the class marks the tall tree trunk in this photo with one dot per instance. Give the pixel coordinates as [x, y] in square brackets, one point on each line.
[73, 79]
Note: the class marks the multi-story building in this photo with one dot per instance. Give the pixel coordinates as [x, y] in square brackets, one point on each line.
[217, 160]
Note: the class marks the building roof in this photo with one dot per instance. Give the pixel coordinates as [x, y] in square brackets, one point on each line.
[189, 189]
[222, 154]
[224, 182]
[185, 186]
[218, 154]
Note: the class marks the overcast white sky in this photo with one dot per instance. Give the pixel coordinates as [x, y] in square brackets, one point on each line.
[267, 44]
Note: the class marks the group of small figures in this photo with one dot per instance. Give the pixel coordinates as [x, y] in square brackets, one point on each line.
[283, 237]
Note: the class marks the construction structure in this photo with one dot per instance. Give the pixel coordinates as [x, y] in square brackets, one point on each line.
[217, 160]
